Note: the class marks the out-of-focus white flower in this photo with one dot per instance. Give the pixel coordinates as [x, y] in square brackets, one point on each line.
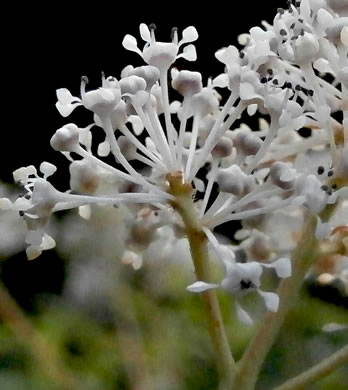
[241, 278]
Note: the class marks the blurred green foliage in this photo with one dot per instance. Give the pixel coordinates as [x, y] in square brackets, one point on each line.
[158, 339]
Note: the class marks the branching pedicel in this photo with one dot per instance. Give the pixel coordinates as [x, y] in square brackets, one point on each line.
[265, 177]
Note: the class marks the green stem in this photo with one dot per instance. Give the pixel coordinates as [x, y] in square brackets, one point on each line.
[199, 250]
[254, 356]
[317, 372]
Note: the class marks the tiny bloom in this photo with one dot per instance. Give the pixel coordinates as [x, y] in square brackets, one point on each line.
[162, 54]
[241, 278]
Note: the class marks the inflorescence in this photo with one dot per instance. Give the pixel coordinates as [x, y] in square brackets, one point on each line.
[267, 178]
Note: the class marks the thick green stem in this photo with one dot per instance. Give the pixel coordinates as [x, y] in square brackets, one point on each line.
[317, 372]
[199, 250]
[254, 356]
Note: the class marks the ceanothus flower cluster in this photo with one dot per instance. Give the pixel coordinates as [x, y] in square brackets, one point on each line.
[280, 71]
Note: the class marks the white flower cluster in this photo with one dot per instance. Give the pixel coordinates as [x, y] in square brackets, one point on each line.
[282, 70]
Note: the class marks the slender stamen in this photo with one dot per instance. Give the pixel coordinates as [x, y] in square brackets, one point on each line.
[217, 131]
[171, 133]
[126, 132]
[211, 180]
[193, 143]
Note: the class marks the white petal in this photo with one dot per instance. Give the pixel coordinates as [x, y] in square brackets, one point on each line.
[189, 53]
[33, 252]
[131, 44]
[47, 169]
[132, 258]
[199, 184]
[201, 286]
[247, 92]
[24, 172]
[271, 300]
[252, 108]
[305, 10]
[145, 32]
[47, 242]
[103, 149]
[137, 124]
[150, 145]
[65, 97]
[243, 316]
[251, 271]
[322, 65]
[190, 34]
[228, 55]
[5, 204]
[344, 35]
[221, 81]
[66, 109]
[22, 204]
[85, 211]
[282, 267]
[324, 18]
[175, 106]
[243, 39]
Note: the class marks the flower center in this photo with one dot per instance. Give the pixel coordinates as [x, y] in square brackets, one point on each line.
[245, 284]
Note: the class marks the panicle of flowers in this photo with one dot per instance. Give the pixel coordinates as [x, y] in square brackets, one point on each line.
[280, 71]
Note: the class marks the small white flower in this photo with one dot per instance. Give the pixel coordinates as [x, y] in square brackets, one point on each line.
[162, 54]
[241, 278]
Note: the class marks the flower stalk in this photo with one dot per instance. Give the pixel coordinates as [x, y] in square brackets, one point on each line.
[184, 205]
[254, 356]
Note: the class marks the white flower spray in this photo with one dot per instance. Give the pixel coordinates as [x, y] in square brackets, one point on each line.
[280, 71]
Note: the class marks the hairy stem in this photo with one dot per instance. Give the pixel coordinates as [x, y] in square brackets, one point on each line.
[254, 356]
[199, 250]
[317, 372]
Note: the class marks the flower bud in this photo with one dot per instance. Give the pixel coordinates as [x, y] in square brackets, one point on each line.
[149, 73]
[187, 83]
[223, 148]
[306, 48]
[160, 54]
[247, 143]
[232, 180]
[205, 102]
[84, 178]
[132, 84]
[101, 101]
[66, 139]
[282, 175]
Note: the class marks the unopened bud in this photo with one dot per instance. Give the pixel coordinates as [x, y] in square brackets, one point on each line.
[187, 83]
[282, 175]
[149, 73]
[66, 138]
[223, 148]
[232, 180]
[132, 84]
[248, 143]
[306, 48]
